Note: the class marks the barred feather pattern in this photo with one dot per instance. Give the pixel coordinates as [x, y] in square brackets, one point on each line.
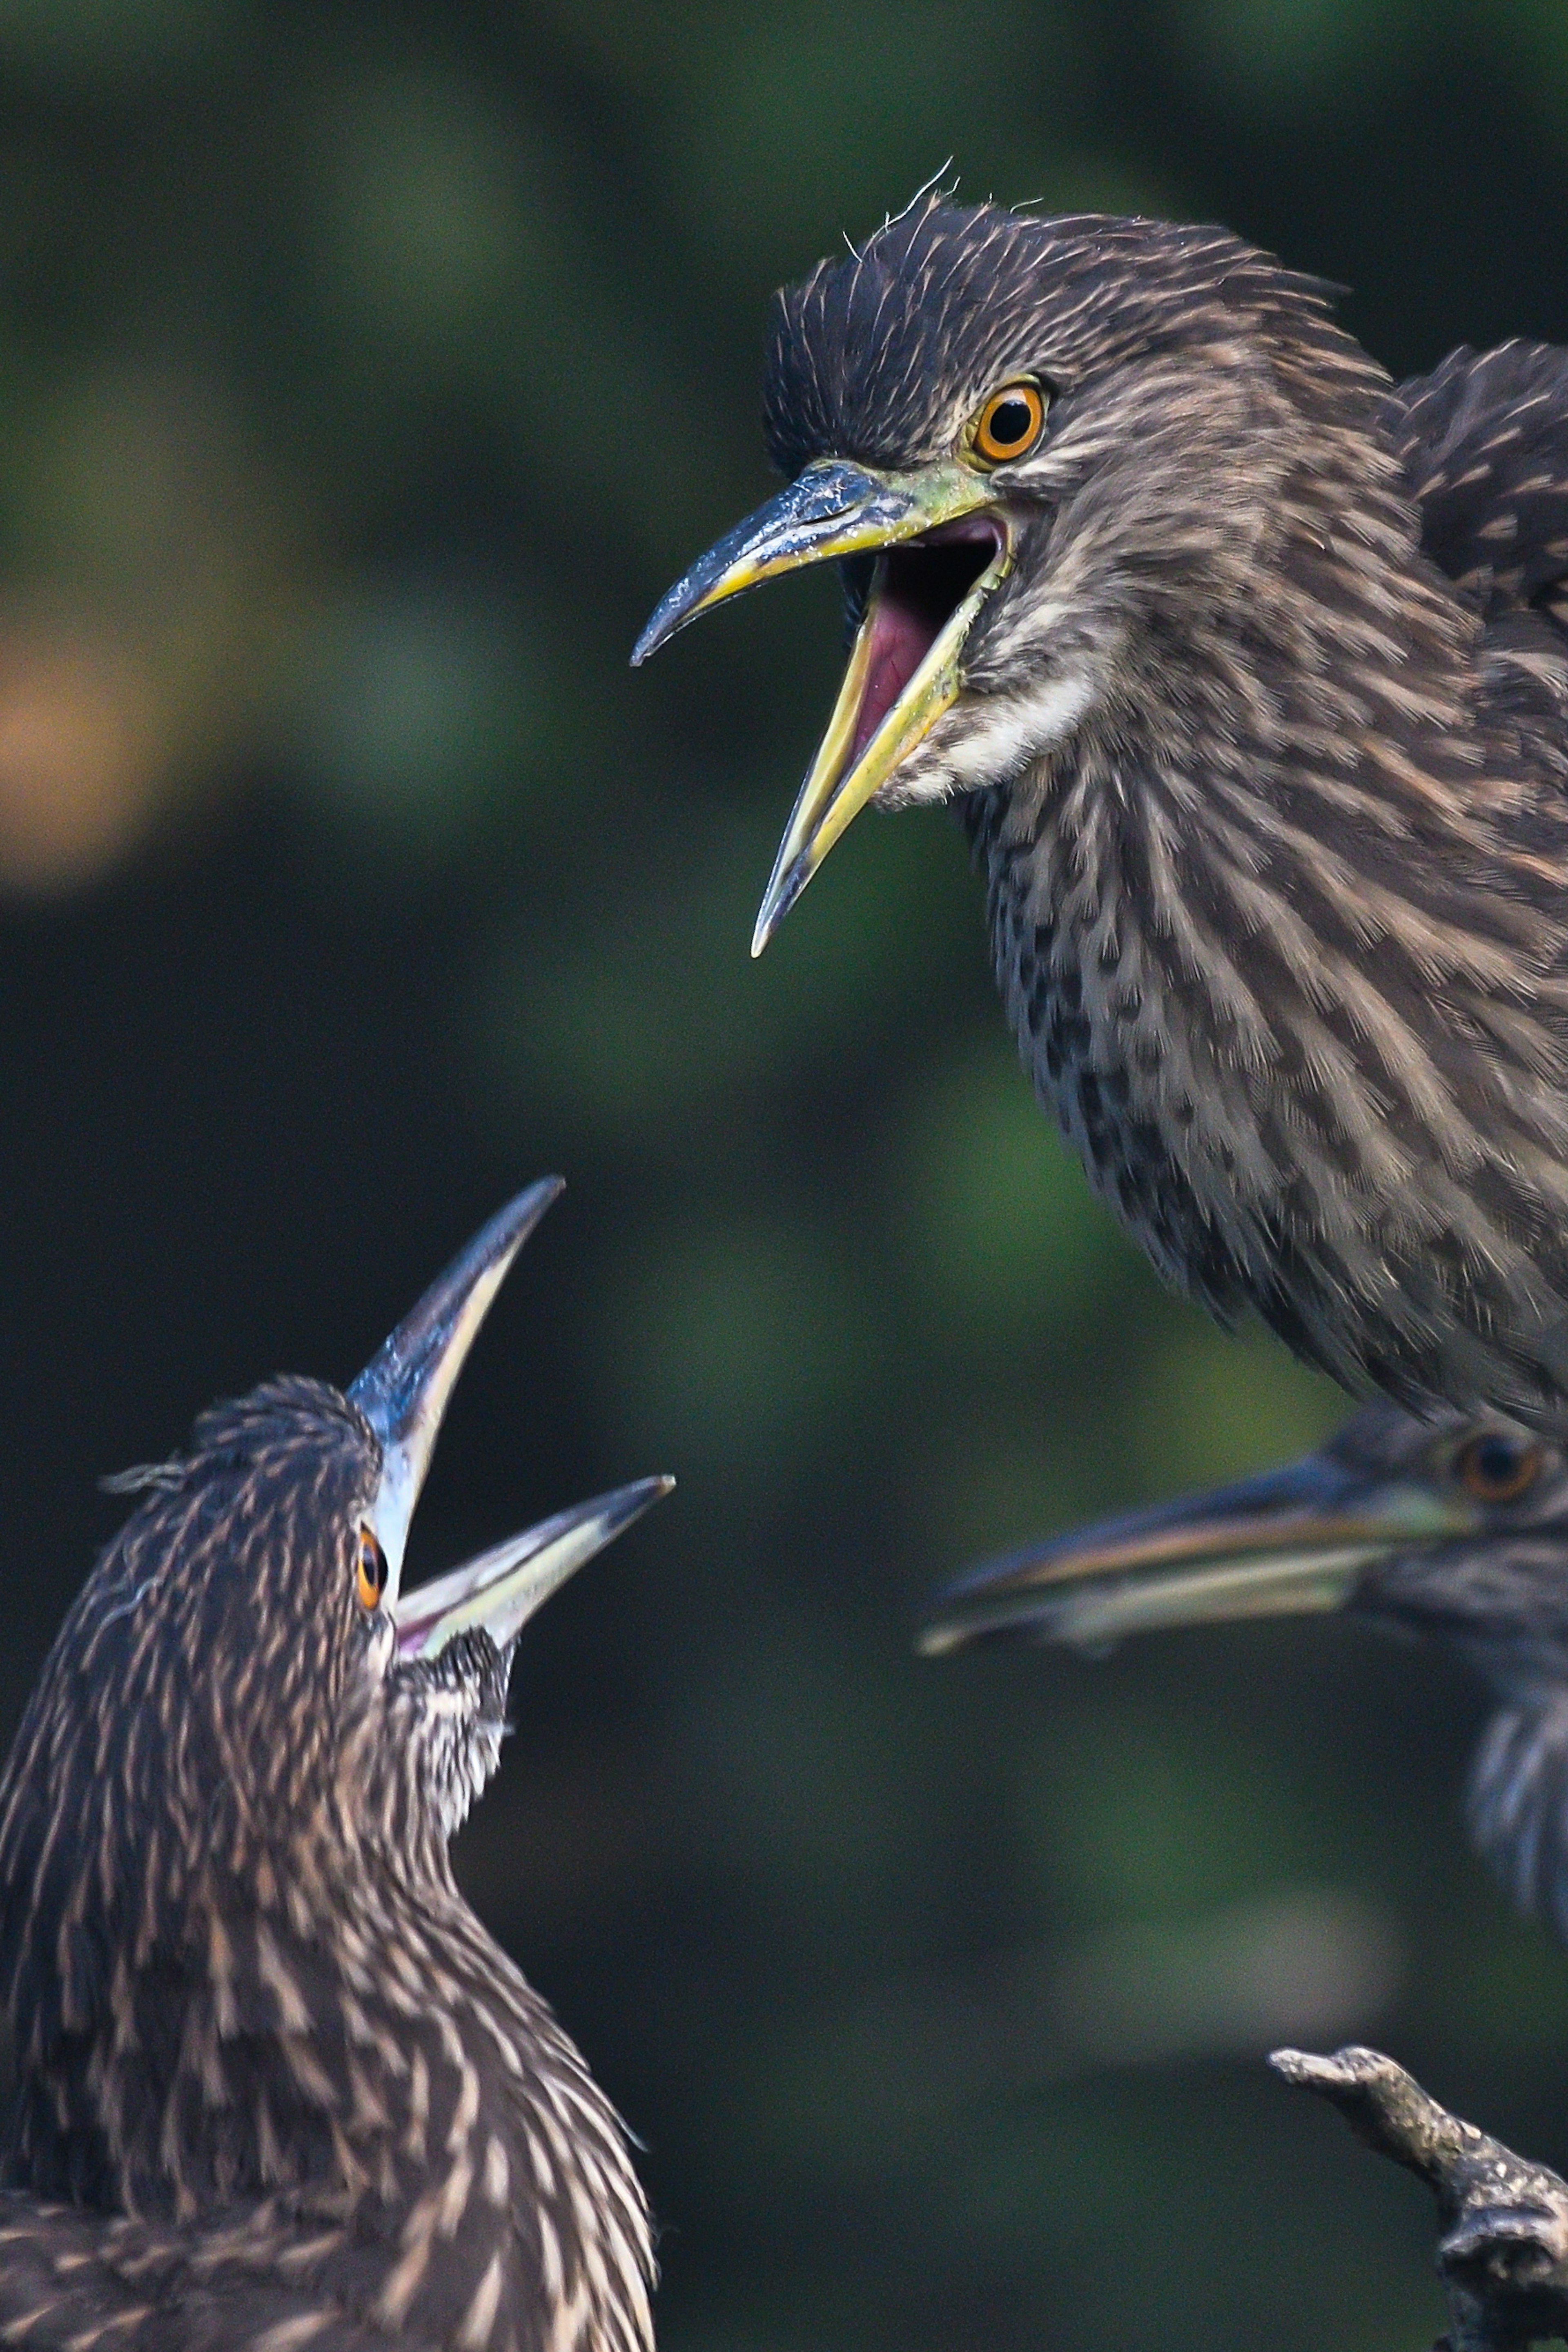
[1282, 941]
[1276, 824]
[278, 2086]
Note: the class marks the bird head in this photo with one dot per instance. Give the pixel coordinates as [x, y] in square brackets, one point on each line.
[245, 1707]
[1454, 1528]
[1041, 450]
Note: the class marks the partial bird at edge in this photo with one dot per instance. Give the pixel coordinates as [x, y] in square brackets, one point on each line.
[278, 2087]
[1452, 1530]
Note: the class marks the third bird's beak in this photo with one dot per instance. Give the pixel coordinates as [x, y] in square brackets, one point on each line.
[403, 1393]
[941, 547]
[1281, 1545]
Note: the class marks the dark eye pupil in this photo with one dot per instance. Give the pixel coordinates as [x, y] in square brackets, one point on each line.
[1497, 1461]
[1011, 421]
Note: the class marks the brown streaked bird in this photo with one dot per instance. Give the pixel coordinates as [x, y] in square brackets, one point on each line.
[1248, 670]
[277, 2085]
[1452, 1530]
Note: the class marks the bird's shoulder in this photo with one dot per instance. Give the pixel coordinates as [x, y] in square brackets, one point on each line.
[1483, 443]
[250, 2283]
[479, 2191]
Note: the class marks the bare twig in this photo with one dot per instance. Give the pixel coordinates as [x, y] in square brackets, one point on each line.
[1503, 2254]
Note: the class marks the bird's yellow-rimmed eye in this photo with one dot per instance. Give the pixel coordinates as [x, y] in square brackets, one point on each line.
[1009, 425]
[1496, 1468]
[370, 1571]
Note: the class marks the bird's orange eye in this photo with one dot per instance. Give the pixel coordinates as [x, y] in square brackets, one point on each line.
[1009, 425]
[370, 1574]
[1496, 1468]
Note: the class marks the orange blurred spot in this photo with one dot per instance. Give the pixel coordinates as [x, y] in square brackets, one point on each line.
[83, 762]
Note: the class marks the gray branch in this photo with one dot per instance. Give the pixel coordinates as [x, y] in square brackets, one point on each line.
[1503, 2254]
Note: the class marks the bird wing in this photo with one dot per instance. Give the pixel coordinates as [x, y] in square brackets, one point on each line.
[76, 2279]
[1484, 444]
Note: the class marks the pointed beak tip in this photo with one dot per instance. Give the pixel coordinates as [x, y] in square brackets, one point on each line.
[516, 1224]
[668, 617]
[502, 1588]
[499, 1243]
[784, 886]
[403, 1391]
[535, 1198]
[937, 1641]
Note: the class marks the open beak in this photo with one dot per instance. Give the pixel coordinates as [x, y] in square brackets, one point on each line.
[403, 1393]
[502, 1588]
[1282, 1545]
[941, 549]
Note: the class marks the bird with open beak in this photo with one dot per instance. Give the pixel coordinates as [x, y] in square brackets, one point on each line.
[276, 2084]
[1248, 670]
[1453, 1530]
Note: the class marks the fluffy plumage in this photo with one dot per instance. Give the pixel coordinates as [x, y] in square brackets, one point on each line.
[278, 2086]
[1262, 744]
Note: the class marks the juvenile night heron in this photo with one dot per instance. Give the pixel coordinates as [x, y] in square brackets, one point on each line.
[1452, 1530]
[1248, 670]
[277, 2088]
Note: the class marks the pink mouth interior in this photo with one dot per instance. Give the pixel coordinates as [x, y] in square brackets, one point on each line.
[926, 579]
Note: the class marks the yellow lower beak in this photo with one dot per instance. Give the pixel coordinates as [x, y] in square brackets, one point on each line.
[839, 785]
[834, 510]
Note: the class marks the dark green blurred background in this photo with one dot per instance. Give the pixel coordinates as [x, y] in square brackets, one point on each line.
[365, 372]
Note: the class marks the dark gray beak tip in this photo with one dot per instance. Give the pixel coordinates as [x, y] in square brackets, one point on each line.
[631, 1502]
[682, 603]
[511, 1227]
[661, 627]
[407, 1379]
[792, 526]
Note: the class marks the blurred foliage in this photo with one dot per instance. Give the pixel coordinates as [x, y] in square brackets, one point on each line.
[365, 372]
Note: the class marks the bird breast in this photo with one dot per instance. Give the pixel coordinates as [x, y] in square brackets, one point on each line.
[1306, 1083]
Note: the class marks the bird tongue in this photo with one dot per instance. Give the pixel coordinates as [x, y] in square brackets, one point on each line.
[923, 583]
[900, 639]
